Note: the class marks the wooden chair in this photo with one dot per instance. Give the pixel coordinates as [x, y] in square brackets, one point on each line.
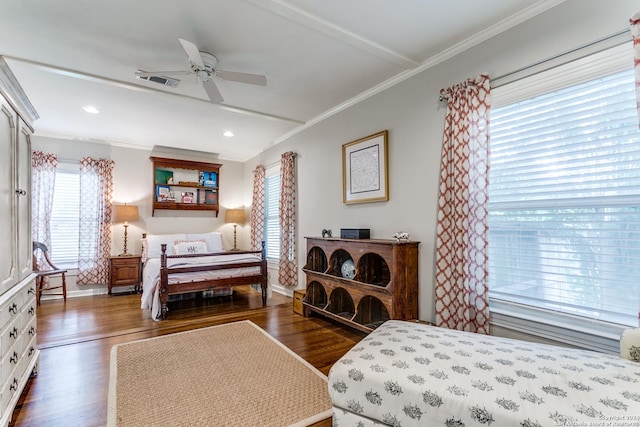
[42, 275]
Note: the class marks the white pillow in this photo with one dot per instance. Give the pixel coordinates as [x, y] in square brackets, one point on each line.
[189, 247]
[213, 240]
[151, 245]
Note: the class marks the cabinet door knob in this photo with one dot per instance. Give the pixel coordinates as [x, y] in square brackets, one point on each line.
[21, 192]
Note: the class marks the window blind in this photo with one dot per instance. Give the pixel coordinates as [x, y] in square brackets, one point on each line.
[564, 199]
[272, 216]
[65, 216]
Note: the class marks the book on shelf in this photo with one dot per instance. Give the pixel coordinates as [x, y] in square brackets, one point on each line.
[208, 197]
[208, 179]
[163, 193]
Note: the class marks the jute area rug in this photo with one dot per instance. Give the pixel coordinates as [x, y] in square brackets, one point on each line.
[229, 375]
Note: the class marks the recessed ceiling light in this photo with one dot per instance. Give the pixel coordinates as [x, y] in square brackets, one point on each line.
[90, 109]
[228, 133]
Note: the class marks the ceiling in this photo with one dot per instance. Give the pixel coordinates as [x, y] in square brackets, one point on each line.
[318, 58]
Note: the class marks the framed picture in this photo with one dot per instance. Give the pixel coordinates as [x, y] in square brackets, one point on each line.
[187, 197]
[365, 170]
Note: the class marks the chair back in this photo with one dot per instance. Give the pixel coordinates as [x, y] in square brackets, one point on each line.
[45, 251]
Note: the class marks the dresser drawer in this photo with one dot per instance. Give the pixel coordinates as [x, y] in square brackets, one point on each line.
[10, 309]
[10, 335]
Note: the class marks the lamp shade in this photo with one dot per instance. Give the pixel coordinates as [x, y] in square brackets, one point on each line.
[235, 216]
[125, 213]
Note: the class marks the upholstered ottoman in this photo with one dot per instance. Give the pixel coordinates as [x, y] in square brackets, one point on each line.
[410, 374]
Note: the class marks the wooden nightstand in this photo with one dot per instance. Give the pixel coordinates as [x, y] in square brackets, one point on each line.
[124, 271]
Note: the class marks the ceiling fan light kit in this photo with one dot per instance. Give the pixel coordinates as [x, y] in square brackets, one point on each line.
[203, 67]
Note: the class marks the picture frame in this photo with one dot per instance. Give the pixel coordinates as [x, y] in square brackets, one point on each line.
[163, 193]
[365, 169]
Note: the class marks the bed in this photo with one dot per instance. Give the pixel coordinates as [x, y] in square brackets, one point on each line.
[411, 374]
[177, 264]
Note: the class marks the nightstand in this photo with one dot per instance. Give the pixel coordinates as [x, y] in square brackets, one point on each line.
[124, 271]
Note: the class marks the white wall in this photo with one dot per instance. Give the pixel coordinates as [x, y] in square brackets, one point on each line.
[133, 184]
[414, 117]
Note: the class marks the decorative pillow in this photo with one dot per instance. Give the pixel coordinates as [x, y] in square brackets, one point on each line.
[189, 247]
[151, 246]
[213, 240]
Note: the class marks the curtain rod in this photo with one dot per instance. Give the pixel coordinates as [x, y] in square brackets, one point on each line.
[603, 43]
[611, 40]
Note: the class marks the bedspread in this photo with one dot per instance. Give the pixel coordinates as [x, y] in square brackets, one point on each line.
[410, 374]
[151, 275]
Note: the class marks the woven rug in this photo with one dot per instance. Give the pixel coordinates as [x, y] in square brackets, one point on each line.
[229, 375]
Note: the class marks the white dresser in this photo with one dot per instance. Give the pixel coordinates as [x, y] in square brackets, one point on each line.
[18, 329]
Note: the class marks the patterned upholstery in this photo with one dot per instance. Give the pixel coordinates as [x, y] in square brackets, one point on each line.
[410, 374]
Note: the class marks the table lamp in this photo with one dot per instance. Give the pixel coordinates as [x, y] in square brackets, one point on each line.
[125, 213]
[235, 217]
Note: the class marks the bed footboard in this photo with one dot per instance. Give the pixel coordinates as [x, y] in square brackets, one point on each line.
[167, 288]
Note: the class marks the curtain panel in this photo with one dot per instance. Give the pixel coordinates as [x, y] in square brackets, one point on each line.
[257, 209]
[635, 33]
[287, 271]
[43, 179]
[94, 250]
[461, 289]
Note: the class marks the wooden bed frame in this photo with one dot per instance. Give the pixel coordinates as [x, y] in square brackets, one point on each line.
[167, 289]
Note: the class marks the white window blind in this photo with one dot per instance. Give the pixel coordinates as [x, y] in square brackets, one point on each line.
[65, 216]
[272, 215]
[564, 197]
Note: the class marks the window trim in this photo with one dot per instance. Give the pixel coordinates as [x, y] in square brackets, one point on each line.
[595, 61]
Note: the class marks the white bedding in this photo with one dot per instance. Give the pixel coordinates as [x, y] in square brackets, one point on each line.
[151, 275]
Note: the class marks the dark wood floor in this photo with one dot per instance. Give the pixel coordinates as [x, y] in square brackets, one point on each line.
[75, 339]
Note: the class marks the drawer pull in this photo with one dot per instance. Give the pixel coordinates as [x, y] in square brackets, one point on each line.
[14, 359]
[32, 310]
[14, 385]
[32, 291]
[31, 351]
[14, 333]
[14, 308]
[32, 331]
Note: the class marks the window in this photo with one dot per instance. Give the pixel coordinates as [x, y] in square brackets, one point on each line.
[272, 213]
[564, 191]
[65, 216]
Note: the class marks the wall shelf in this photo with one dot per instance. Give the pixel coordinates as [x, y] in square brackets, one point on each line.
[184, 185]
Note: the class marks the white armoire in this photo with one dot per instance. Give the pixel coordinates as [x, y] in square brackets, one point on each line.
[18, 352]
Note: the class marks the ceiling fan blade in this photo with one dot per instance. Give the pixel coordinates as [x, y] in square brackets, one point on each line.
[192, 52]
[252, 79]
[141, 73]
[212, 91]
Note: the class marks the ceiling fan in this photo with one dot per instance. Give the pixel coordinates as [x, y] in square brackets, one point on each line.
[203, 66]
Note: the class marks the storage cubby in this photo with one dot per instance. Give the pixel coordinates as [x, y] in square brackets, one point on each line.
[316, 260]
[383, 286]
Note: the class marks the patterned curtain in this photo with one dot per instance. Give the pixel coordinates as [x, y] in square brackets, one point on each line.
[43, 179]
[96, 188]
[635, 32]
[257, 209]
[461, 290]
[287, 272]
